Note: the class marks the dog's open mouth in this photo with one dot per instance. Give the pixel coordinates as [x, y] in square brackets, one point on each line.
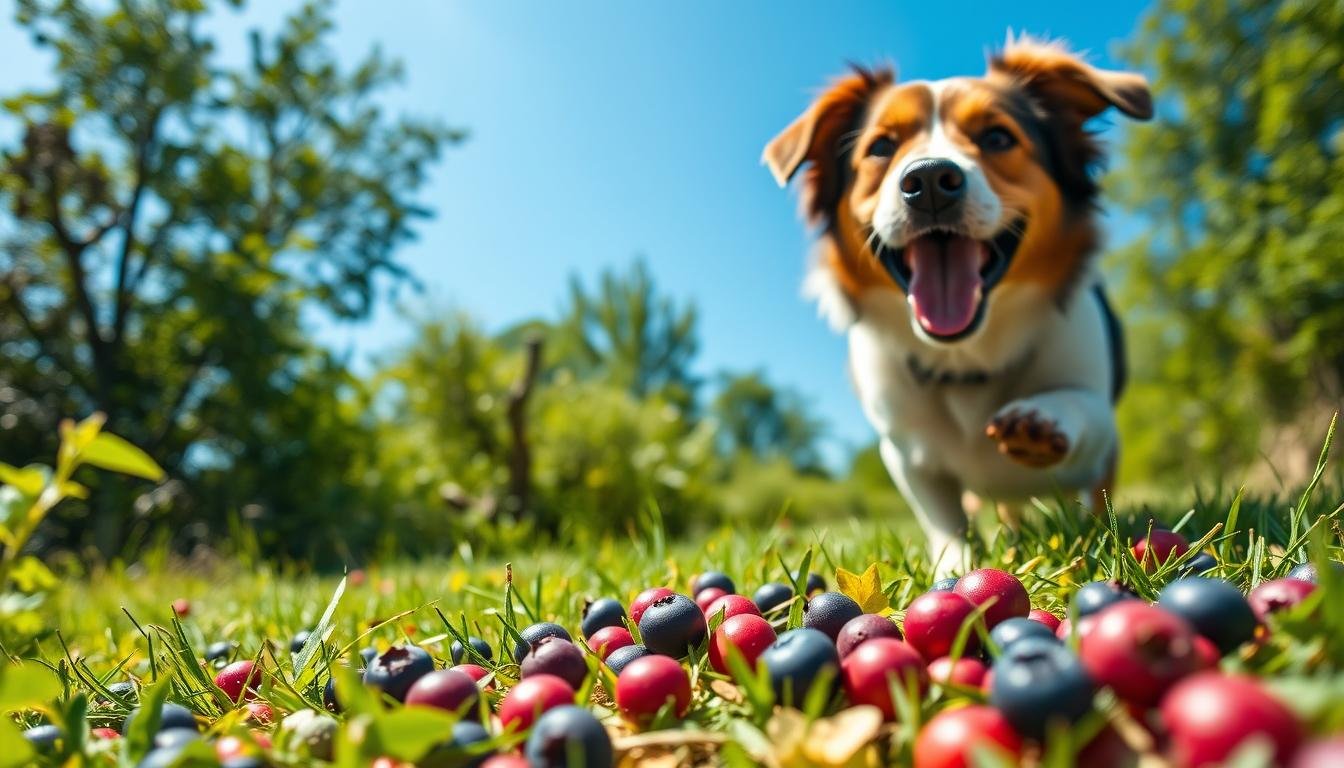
[947, 275]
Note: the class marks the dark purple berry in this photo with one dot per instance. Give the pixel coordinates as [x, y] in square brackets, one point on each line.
[395, 670]
[534, 633]
[556, 656]
[828, 613]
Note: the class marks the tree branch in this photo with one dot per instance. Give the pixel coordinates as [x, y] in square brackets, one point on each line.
[121, 296]
[74, 255]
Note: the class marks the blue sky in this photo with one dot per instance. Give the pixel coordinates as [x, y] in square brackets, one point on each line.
[600, 131]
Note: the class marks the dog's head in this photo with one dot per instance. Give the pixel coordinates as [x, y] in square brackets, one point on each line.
[956, 186]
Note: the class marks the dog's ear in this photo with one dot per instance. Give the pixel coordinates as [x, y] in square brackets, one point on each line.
[1062, 81]
[815, 138]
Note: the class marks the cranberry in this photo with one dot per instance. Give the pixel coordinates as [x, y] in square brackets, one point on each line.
[1159, 547]
[1139, 651]
[748, 633]
[476, 673]
[933, 620]
[1009, 596]
[706, 597]
[608, 639]
[646, 598]
[1277, 595]
[532, 696]
[1324, 753]
[965, 672]
[1210, 715]
[732, 605]
[952, 737]
[648, 684]
[875, 666]
[1045, 617]
[236, 677]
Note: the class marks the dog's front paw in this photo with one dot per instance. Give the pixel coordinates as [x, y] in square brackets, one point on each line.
[1027, 437]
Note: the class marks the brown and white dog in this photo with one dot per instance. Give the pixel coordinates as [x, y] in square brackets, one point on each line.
[957, 234]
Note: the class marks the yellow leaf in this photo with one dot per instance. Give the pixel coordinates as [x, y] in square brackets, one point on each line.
[107, 451]
[865, 589]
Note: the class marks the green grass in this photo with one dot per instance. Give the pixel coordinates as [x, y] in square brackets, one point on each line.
[116, 622]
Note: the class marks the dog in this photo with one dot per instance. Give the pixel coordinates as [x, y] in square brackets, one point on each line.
[957, 223]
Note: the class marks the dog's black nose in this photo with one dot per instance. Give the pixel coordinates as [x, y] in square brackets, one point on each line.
[933, 185]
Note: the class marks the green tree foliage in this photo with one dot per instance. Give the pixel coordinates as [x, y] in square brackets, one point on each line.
[1234, 294]
[766, 422]
[167, 222]
[629, 336]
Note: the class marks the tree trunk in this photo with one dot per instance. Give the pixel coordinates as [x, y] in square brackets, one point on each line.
[518, 499]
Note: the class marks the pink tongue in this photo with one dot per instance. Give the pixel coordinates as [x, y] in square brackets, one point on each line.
[945, 285]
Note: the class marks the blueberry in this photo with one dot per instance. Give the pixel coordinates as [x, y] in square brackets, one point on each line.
[829, 612]
[600, 613]
[815, 583]
[368, 655]
[1012, 631]
[797, 661]
[1199, 564]
[396, 669]
[624, 655]
[1038, 682]
[172, 716]
[466, 733]
[160, 758]
[568, 737]
[122, 691]
[1215, 608]
[1308, 571]
[480, 646]
[712, 579]
[1095, 595]
[43, 737]
[299, 640]
[672, 625]
[175, 738]
[329, 696]
[771, 596]
[219, 651]
[944, 585]
[534, 633]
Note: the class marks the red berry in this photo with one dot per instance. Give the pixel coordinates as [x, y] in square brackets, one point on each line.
[556, 656]
[476, 673]
[732, 605]
[646, 685]
[1210, 715]
[1139, 651]
[104, 733]
[933, 620]
[965, 672]
[608, 639]
[505, 761]
[870, 671]
[1085, 625]
[237, 676]
[1207, 652]
[1009, 596]
[951, 738]
[182, 607]
[1159, 547]
[863, 628]
[447, 689]
[1108, 749]
[706, 597]
[228, 747]
[1277, 595]
[259, 713]
[646, 598]
[1045, 617]
[747, 632]
[525, 702]
[1324, 753]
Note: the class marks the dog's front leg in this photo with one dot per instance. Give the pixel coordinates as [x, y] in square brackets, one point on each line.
[936, 501]
[1063, 429]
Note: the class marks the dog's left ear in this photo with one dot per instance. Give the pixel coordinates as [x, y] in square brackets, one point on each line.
[815, 139]
[1065, 82]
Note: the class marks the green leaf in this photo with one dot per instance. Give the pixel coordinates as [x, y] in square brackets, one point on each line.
[318, 636]
[15, 751]
[410, 732]
[30, 575]
[29, 481]
[112, 453]
[27, 686]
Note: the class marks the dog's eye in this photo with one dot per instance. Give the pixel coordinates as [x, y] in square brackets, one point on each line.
[997, 139]
[882, 147]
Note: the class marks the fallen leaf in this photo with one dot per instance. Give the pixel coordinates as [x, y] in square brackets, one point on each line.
[865, 589]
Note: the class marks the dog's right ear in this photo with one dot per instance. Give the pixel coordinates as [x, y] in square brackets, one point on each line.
[815, 138]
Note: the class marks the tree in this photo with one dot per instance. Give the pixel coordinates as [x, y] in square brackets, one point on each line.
[766, 422]
[630, 336]
[1235, 297]
[168, 222]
